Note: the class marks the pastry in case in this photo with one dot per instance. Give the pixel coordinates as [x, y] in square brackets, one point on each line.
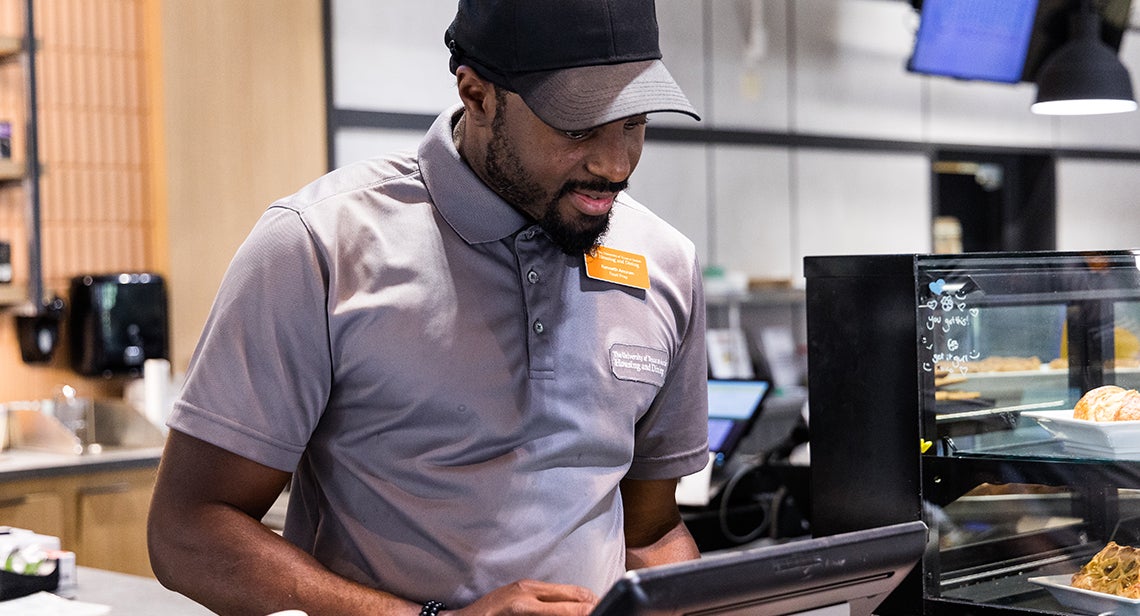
[1114, 570]
[1108, 403]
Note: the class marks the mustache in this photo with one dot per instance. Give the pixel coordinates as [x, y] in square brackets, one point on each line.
[593, 186]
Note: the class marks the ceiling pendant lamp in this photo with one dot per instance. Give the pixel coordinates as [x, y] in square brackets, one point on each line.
[1084, 76]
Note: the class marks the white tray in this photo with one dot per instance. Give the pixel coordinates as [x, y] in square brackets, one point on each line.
[1086, 601]
[1111, 439]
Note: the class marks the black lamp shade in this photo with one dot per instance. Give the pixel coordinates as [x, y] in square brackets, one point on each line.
[1084, 76]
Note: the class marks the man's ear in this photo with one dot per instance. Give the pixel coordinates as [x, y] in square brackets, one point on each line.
[477, 95]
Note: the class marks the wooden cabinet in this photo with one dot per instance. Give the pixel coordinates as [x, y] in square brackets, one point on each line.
[98, 514]
[111, 523]
[41, 511]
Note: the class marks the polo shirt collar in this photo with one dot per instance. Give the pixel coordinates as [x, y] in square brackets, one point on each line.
[468, 205]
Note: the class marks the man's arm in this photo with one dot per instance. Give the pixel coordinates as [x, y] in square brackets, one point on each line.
[207, 542]
[654, 532]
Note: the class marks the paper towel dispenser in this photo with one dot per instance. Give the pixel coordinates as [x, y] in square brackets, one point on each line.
[116, 322]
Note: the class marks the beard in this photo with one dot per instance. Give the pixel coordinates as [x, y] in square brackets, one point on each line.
[506, 176]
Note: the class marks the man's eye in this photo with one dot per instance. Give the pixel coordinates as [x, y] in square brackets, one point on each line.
[576, 135]
[636, 122]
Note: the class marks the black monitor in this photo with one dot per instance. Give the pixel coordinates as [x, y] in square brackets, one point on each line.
[851, 573]
[1004, 41]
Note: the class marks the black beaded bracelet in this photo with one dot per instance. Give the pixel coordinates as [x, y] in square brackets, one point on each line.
[432, 608]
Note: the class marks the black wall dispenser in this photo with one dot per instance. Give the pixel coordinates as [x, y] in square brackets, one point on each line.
[116, 322]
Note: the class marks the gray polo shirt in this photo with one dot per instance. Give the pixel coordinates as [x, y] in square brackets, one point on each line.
[457, 399]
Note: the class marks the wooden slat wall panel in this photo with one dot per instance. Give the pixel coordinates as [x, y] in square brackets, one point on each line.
[93, 138]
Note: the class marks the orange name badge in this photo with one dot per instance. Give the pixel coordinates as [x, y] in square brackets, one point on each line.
[618, 266]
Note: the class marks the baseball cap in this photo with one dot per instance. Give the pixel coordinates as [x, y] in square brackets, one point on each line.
[576, 63]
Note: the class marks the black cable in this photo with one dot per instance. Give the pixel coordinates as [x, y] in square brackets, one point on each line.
[726, 496]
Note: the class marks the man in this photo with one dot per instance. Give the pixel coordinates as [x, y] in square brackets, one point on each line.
[482, 366]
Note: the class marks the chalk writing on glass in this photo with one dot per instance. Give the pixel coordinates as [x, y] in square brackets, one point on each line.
[945, 321]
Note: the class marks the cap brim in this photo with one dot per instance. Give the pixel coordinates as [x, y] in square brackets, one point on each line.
[588, 96]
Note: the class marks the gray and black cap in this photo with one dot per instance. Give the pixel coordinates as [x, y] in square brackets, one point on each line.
[576, 63]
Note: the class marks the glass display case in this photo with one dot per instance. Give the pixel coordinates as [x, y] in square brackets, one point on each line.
[942, 389]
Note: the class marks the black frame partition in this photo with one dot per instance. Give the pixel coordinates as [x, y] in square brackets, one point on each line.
[884, 452]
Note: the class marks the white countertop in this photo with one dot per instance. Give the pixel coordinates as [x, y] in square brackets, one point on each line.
[24, 463]
[125, 595]
[132, 595]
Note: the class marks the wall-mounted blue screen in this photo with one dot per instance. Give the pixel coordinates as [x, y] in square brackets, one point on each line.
[982, 40]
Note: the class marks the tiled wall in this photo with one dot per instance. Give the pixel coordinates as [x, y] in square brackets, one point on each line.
[94, 118]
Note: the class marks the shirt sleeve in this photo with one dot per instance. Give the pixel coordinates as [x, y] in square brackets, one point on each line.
[672, 439]
[260, 376]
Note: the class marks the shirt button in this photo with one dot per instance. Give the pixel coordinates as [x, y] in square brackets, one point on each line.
[532, 276]
[538, 327]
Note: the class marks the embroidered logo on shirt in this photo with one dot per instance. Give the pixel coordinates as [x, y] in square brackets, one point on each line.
[638, 363]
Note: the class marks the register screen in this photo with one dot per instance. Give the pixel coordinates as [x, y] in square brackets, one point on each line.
[732, 407]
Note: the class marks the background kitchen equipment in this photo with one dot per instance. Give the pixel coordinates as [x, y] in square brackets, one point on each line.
[117, 322]
[68, 424]
[38, 332]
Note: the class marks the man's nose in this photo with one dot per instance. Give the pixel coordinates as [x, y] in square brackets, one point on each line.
[614, 154]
